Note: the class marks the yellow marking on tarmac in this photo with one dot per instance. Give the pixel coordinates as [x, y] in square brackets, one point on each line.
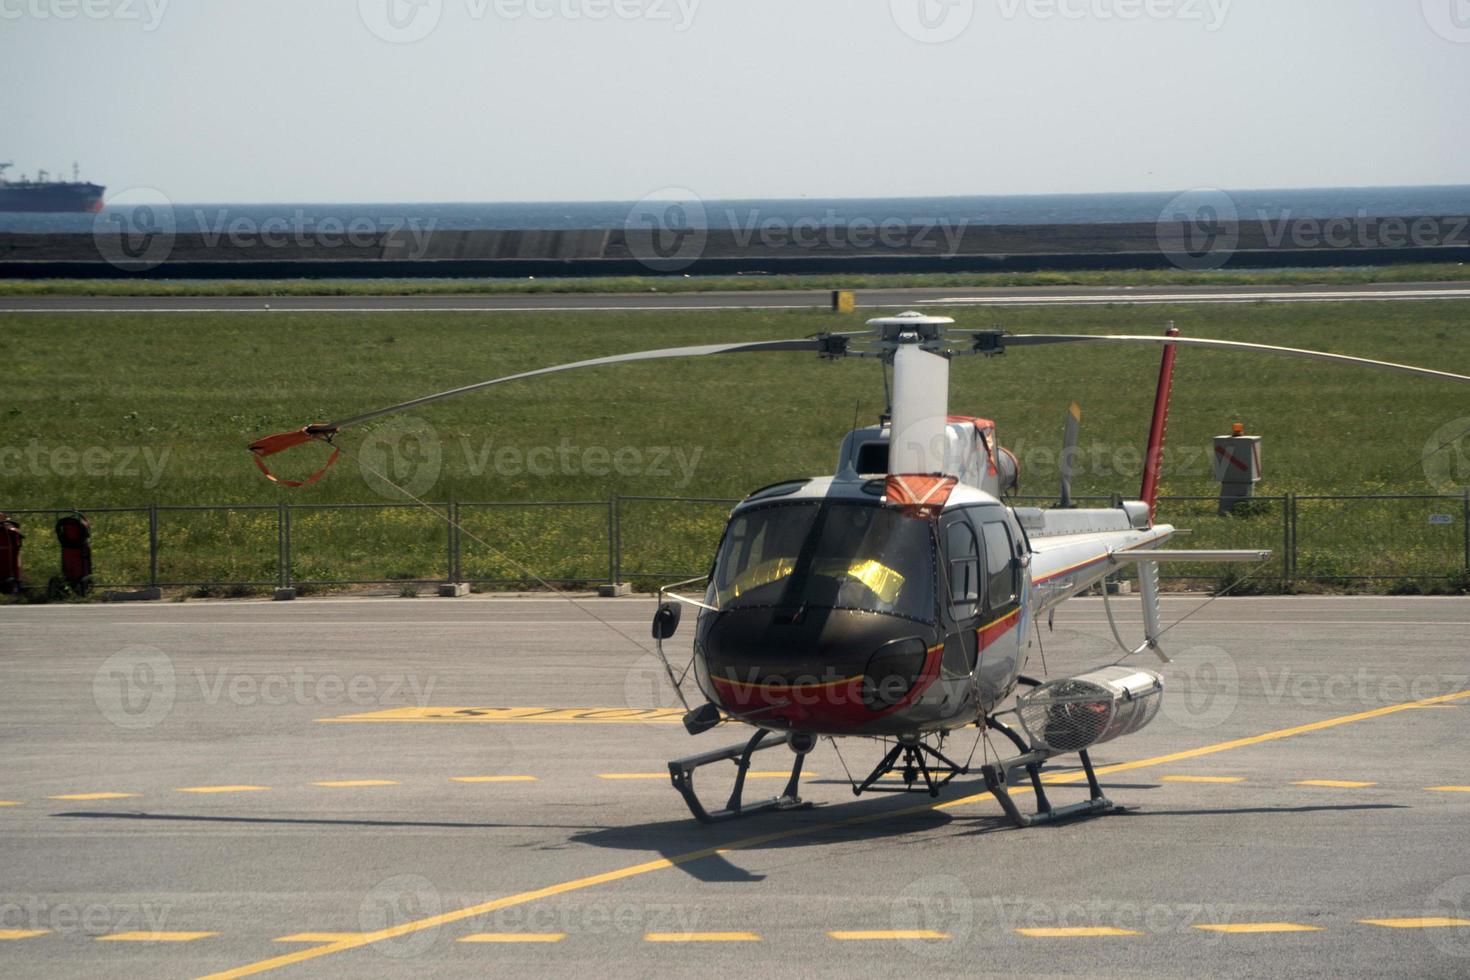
[94, 796]
[701, 937]
[660, 864]
[11, 803]
[1241, 743]
[350, 783]
[1448, 789]
[1201, 779]
[1432, 922]
[222, 789]
[889, 934]
[1333, 783]
[1251, 927]
[317, 937]
[513, 937]
[154, 937]
[664, 775]
[598, 716]
[22, 933]
[1067, 932]
[493, 779]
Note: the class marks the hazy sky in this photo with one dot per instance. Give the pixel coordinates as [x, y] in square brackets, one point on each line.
[518, 100]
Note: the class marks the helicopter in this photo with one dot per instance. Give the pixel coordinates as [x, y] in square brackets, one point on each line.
[900, 598]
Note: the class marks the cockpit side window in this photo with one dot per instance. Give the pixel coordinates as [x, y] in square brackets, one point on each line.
[963, 553]
[1000, 565]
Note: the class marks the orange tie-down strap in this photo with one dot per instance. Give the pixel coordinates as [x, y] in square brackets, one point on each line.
[282, 441]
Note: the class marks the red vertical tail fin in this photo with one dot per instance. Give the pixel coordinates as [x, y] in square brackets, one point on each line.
[1154, 458]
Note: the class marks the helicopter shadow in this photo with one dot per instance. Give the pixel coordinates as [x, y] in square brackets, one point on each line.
[699, 850]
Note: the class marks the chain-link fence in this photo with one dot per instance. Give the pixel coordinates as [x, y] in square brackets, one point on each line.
[1345, 541]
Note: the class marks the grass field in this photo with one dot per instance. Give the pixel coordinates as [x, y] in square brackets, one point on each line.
[128, 410]
[1345, 276]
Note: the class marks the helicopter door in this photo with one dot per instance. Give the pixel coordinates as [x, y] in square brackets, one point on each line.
[1000, 632]
[965, 571]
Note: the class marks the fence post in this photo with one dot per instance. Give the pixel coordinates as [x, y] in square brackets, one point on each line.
[153, 545]
[1285, 541]
[281, 545]
[1465, 525]
[614, 540]
[451, 573]
[286, 545]
[1295, 518]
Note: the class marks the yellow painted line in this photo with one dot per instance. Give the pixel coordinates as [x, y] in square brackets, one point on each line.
[586, 716]
[889, 934]
[317, 937]
[1333, 783]
[1432, 922]
[1067, 932]
[513, 937]
[348, 783]
[222, 789]
[94, 796]
[155, 937]
[1250, 927]
[701, 937]
[493, 779]
[660, 864]
[22, 933]
[1201, 779]
[664, 775]
[1240, 743]
[11, 803]
[1448, 789]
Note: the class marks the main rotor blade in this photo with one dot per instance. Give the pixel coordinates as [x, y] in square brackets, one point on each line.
[1039, 339]
[815, 344]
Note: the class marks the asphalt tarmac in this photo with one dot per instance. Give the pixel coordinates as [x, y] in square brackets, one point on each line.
[338, 787]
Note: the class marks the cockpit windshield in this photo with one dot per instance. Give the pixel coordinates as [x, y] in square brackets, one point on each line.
[823, 553]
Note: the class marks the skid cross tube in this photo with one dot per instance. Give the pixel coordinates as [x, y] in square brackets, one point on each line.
[998, 775]
[681, 772]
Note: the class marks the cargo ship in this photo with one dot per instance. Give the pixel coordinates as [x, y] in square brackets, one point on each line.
[42, 194]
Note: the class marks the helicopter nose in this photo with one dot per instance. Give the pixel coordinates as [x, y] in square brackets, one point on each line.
[829, 671]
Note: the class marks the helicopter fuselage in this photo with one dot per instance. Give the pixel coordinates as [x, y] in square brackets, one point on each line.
[833, 611]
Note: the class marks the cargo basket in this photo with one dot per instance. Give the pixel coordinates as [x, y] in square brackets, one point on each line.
[1075, 712]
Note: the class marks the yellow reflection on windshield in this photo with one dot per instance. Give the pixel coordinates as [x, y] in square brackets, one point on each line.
[882, 581]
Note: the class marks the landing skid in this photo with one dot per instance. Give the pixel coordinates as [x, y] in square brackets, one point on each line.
[681, 771]
[998, 775]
